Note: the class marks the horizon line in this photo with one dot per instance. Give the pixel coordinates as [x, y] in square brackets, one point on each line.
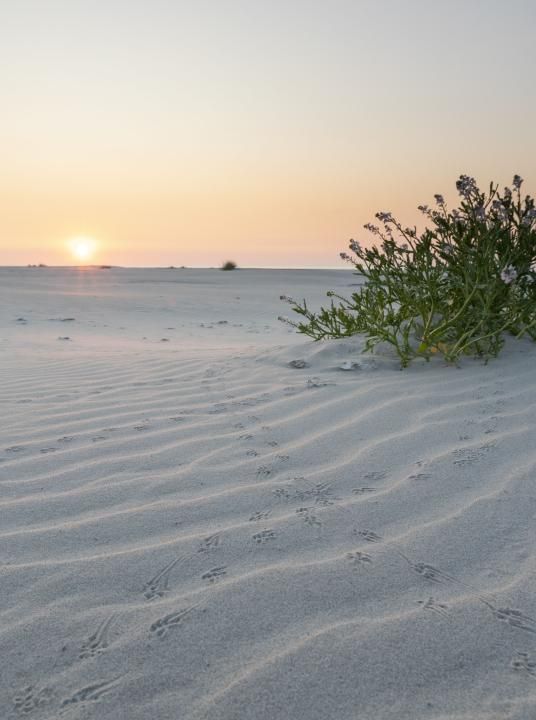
[44, 266]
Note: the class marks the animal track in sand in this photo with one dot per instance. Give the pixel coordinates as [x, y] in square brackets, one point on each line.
[434, 606]
[420, 477]
[252, 453]
[374, 476]
[514, 618]
[158, 585]
[369, 536]
[433, 574]
[364, 490]
[469, 456]
[46, 450]
[308, 516]
[264, 536]
[260, 515]
[30, 699]
[209, 543]
[98, 641]
[163, 625]
[320, 493]
[15, 449]
[359, 559]
[523, 663]
[215, 574]
[429, 572]
[91, 693]
[264, 471]
[66, 439]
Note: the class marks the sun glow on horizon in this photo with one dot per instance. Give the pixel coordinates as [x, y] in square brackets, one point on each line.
[82, 248]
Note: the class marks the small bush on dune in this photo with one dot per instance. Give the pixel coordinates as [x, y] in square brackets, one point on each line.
[228, 265]
[452, 290]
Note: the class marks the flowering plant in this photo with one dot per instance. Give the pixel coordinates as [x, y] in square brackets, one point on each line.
[453, 289]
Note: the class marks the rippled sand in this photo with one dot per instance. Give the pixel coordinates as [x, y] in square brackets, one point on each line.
[193, 528]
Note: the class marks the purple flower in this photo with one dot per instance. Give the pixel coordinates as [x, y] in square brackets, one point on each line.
[374, 229]
[516, 182]
[480, 213]
[529, 217]
[440, 200]
[466, 186]
[355, 246]
[499, 209]
[509, 274]
[384, 217]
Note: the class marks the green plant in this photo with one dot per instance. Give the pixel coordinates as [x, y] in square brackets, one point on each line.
[453, 289]
[228, 265]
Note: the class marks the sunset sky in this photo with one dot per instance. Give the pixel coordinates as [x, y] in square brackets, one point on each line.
[186, 133]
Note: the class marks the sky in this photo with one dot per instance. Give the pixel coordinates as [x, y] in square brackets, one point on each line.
[188, 133]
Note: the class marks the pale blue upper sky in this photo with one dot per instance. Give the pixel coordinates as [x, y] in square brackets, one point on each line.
[186, 132]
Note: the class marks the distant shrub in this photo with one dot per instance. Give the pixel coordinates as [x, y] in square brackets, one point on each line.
[452, 290]
[228, 265]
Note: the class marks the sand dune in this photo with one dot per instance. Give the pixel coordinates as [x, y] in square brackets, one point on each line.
[193, 528]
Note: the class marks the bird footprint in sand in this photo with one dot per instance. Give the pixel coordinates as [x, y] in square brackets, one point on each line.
[157, 586]
[523, 663]
[90, 693]
[215, 574]
[514, 618]
[98, 641]
[264, 536]
[359, 558]
[308, 517]
[30, 699]
[434, 606]
[209, 543]
[369, 536]
[259, 515]
[163, 625]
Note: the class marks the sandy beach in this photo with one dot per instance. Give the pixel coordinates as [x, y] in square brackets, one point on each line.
[205, 517]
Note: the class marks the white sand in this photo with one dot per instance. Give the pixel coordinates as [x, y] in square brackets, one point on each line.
[193, 529]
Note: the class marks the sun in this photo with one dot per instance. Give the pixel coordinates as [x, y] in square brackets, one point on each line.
[82, 247]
